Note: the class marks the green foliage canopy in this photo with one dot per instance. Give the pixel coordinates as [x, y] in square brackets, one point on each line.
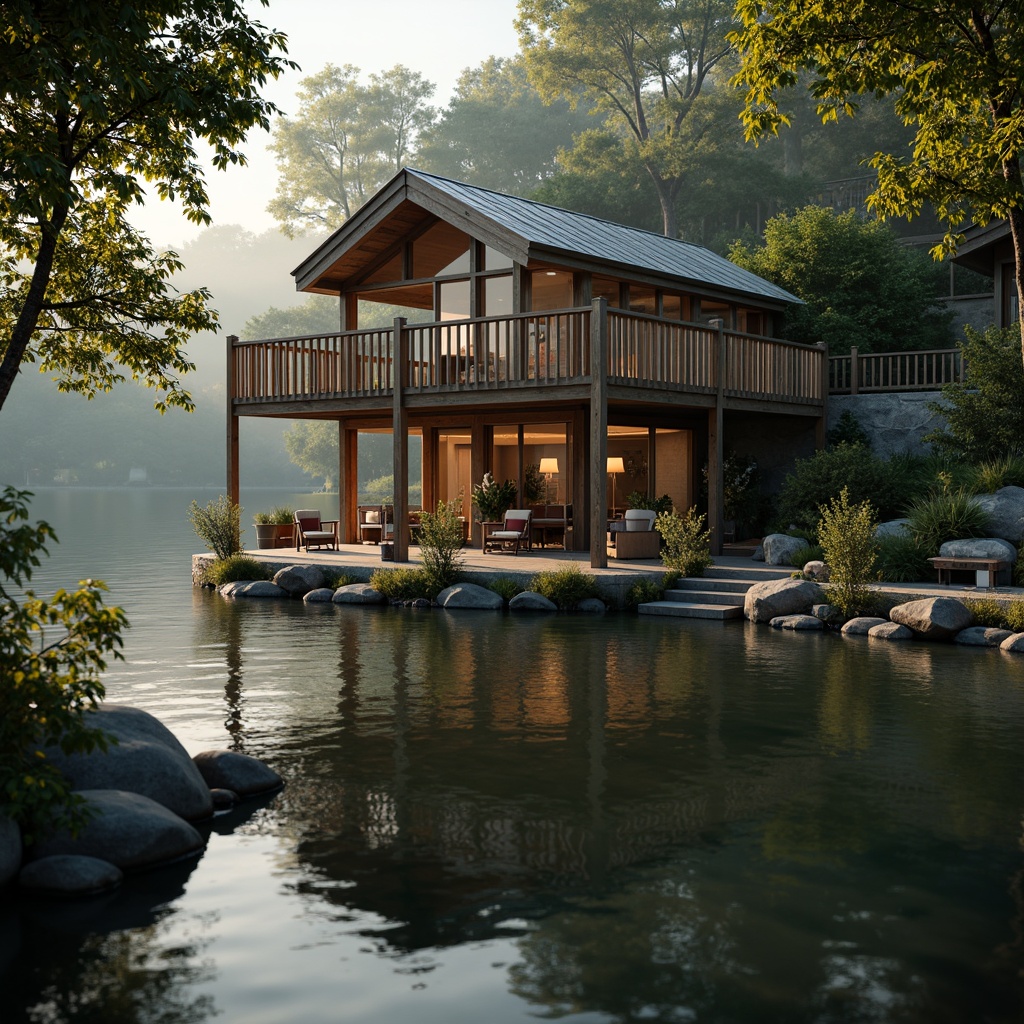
[984, 413]
[102, 102]
[955, 69]
[860, 285]
[643, 63]
[51, 656]
[347, 141]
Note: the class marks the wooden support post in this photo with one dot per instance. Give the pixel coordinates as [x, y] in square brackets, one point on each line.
[400, 442]
[854, 370]
[348, 483]
[232, 424]
[599, 434]
[716, 455]
[821, 426]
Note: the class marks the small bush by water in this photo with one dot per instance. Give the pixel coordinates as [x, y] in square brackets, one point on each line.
[902, 559]
[235, 568]
[643, 590]
[218, 525]
[847, 535]
[441, 546]
[403, 584]
[687, 548]
[506, 587]
[566, 586]
[949, 515]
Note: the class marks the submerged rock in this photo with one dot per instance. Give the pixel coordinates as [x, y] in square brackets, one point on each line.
[531, 601]
[800, 622]
[890, 631]
[982, 636]
[861, 625]
[358, 593]
[299, 580]
[70, 874]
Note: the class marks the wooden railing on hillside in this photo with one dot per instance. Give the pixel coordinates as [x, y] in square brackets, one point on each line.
[894, 371]
[527, 350]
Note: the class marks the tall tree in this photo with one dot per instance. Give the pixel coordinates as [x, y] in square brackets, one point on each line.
[100, 102]
[643, 62]
[347, 140]
[497, 132]
[860, 286]
[956, 70]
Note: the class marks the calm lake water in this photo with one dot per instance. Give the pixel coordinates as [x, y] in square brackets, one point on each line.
[493, 819]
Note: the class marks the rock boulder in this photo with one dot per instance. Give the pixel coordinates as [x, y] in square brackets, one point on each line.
[358, 593]
[797, 622]
[780, 548]
[469, 595]
[147, 759]
[244, 775]
[979, 547]
[768, 600]
[861, 625]
[982, 636]
[69, 874]
[890, 631]
[10, 849]
[530, 601]
[125, 829]
[933, 618]
[299, 580]
[1005, 511]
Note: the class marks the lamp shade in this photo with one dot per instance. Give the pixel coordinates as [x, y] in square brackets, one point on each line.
[615, 465]
[548, 465]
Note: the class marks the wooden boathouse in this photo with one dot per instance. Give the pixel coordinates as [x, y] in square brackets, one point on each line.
[514, 338]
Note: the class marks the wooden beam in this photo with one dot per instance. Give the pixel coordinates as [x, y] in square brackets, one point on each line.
[599, 434]
[348, 482]
[400, 442]
[232, 424]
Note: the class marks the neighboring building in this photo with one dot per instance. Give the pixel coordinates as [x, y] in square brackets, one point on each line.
[517, 332]
[988, 250]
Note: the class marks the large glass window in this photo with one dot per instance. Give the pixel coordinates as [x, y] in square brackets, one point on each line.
[551, 289]
[545, 463]
[439, 251]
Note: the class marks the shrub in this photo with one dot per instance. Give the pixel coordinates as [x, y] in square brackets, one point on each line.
[50, 679]
[984, 413]
[218, 525]
[1015, 616]
[638, 499]
[441, 546]
[815, 481]
[847, 535]
[808, 553]
[492, 499]
[235, 568]
[902, 559]
[986, 612]
[505, 586]
[280, 516]
[687, 547]
[997, 473]
[848, 431]
[404, 584]
[334, 579]
[643, 590]
[950, 515]
[566, 586]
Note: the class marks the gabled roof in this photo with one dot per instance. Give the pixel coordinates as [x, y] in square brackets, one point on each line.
[523, 229]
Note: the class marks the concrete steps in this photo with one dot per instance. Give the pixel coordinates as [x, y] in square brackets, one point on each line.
[718, 595]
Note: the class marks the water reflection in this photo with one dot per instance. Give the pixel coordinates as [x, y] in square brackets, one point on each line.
[672, 825]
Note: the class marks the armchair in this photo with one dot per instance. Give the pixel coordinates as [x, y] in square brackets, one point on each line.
[310, 530]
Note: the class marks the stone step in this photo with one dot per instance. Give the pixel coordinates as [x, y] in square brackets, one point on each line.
[706, 584]
[691, 610]
[705, 596]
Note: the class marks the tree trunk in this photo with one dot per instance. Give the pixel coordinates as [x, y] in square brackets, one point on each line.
[1016, 219]
[28, 317]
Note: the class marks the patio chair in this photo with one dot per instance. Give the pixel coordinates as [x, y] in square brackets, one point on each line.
[515, 530]
[310, 530]
[368, 524]
[634, 536]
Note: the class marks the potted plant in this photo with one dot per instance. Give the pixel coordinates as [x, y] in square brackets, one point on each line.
[492, 499]
[276, 528]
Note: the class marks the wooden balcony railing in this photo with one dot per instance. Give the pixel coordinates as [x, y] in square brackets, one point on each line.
[552, 348]
[894, 371]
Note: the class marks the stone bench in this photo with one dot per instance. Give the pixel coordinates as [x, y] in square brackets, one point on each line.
[986, 570]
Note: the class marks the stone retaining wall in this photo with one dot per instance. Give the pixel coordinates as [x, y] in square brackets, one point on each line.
[895, 423]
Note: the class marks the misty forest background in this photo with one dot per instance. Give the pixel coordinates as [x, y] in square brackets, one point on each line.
[497, 132]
